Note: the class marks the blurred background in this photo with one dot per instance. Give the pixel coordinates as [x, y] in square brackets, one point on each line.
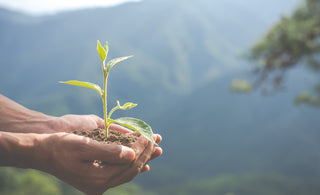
[232, 86]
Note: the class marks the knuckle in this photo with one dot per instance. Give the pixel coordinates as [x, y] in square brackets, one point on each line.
[138, 168]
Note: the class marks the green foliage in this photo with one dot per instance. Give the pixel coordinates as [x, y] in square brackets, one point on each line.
[294, 40]
[27, 182]
[307, 98]
[31, 182]
[136, 124]
[132, 123]
[84, 84]
[248, 184]
[196, 44]
[128, 189]
[241, 85]
[102, 51]
[126, 106]
[116, 61]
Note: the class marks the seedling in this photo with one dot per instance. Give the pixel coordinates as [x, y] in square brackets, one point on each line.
[132, 123]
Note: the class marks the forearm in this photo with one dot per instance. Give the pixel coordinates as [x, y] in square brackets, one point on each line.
[20, 150]
[16, 118]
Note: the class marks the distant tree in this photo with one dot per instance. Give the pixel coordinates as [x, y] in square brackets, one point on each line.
[294, 41]
[241, 85]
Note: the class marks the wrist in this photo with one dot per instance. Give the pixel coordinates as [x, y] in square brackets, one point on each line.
[16, 118]
[20, 150]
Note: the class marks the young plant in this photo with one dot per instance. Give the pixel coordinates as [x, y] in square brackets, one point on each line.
[132, 123]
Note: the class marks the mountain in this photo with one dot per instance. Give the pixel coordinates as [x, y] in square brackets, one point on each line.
[215, 134]
[178, 47]
[225, 132]
[186, 53]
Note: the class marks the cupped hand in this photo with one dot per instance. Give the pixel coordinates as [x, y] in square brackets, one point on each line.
[93, 178]
[70, 122]
[40, 141]
[73, 122]
[72, 159]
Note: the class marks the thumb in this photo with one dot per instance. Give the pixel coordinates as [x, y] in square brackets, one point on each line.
[115, 154]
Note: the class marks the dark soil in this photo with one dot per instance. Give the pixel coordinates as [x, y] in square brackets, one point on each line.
[114, 137]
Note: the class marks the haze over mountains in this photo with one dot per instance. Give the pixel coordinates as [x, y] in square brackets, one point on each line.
[185, 45]
[186, 53]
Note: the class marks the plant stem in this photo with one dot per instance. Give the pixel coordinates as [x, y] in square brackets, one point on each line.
[104, 98]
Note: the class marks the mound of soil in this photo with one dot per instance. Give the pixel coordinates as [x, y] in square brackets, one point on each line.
[114, 137]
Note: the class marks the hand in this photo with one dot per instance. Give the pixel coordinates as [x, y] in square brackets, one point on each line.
[157, 151]
[36, 144]
[68, 123]
[71, 122]
[72, 160]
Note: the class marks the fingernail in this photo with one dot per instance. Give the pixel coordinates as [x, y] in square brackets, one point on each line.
[159, 138]
[146, 168]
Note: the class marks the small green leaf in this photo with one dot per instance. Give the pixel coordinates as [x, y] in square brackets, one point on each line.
[128, 106]
[106, 48]
[84, 84]
[102, 52]
[116, 61]
[136, 124]
[118, 104]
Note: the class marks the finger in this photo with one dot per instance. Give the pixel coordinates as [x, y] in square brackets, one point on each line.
[114, 154]
[140, 146]
[146, 168]
[158, 138]
[142, 159]
[119, 128]
[143, 149]
[99, 121]
[157, 152]
[146, 155]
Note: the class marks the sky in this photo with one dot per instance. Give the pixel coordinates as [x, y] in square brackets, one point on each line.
[40, 7]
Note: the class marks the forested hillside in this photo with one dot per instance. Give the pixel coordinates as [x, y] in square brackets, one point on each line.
[185, 56]
[177, 47]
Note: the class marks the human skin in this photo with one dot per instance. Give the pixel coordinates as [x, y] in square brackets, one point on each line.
[30, 139]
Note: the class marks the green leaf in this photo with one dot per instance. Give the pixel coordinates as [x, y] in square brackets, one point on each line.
[136, 124]
[128, 106]
[102, 52]
[84, 84]
[106, 48]
[116, 61]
